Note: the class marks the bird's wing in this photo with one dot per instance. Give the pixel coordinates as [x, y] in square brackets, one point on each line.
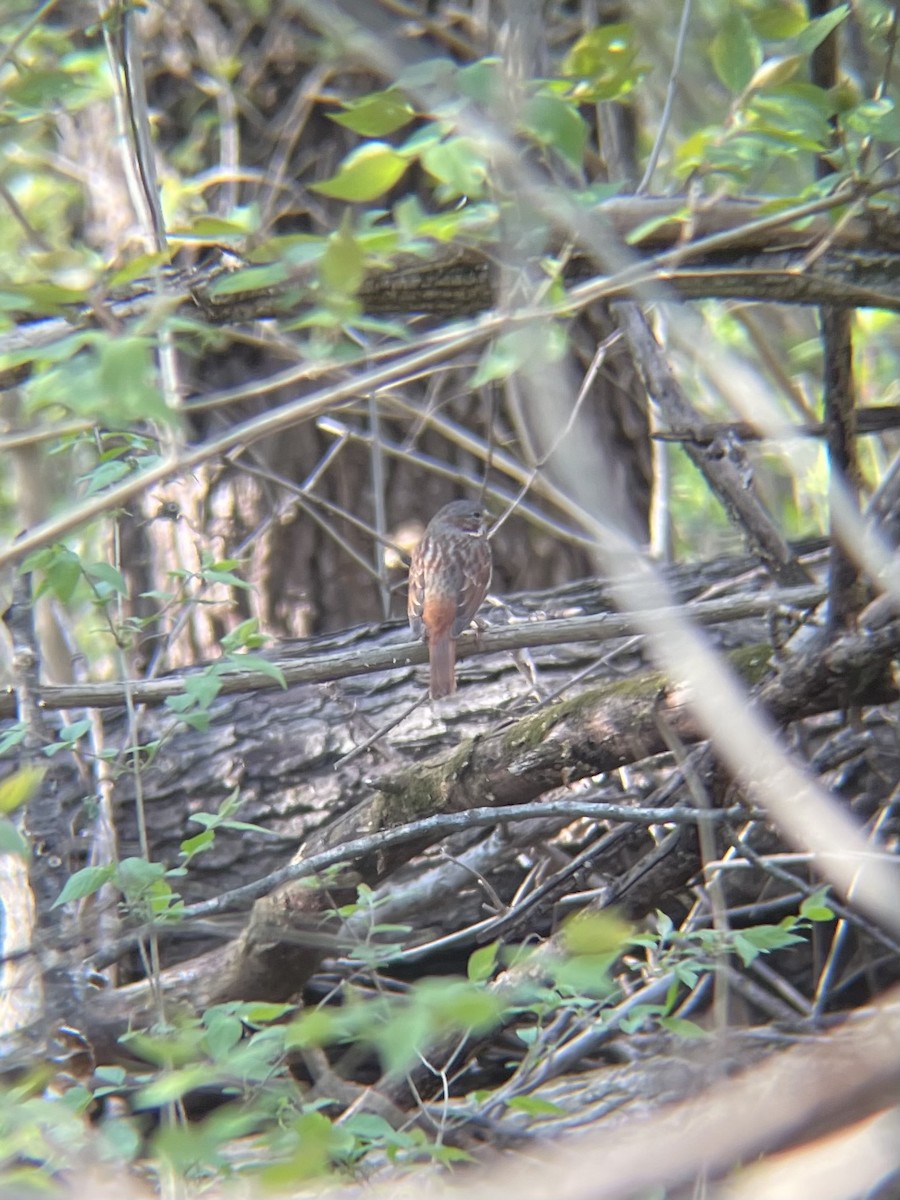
[415, 600]
[472, 590]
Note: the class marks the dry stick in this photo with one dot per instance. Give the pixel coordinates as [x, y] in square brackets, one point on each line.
[666, 114]
[536, 470]
[379, 493]
[844, 584]
[266, 425]
[725, 476]
[434, 827]
[472, 444]
[507, 924]
[742, 226]
[879, 418]
[363, 660]
[835, 957]
[845, 590]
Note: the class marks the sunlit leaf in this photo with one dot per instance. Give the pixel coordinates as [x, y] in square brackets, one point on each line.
[595, 933]
[536, 1106]
[365, 174]
[681, 1027]
[377, 114]
[816, 907]
[779, 19]
[19, 788]
[775, 71]
[604, 61]
[482, 962]
[142, 265]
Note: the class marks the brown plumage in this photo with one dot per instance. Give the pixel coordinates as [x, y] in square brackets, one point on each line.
[449, 574]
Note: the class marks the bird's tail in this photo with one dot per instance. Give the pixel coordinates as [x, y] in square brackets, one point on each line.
[442, 656]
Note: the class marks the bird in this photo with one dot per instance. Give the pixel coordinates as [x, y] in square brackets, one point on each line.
[449, 575]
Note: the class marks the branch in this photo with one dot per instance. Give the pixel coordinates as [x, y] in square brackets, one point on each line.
[367, 660]
[730, 250]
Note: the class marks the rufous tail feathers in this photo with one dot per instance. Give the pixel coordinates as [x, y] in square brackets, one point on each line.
[442, 656]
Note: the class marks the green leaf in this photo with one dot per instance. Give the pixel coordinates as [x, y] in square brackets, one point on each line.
[681, 1027]
[171, 1086]
[587, 975]
[85, 882]
[818, 30]
[429, 72]
[775, 71]
[62, 571]
[198, 720]
[105, 474]
[482, 81]
[459, 164]
[202, 689]
[244, 636]
[373, 1128]
[140, 266]
[250, 279]
[12, 841]
[342, 268]
[218, 573]
[482, 962]
[815, 907]
[365, 174]
[555, 122]
[314, 1140]
[106, 573]
[195, 845]
[14, 736]
[259, 1012]
[779, 19]
[596, 933]
[735, 52]
[128, 380]
[517, 349]
[535, 1106]
[760, 939]
[648, 227]
[134, 876]
[254, 662]
[224, 1031]
[19, 788]
[604, 62]
[874, 118]
[69, 734]
[377, 114]
[240, 222]
[316, 1027]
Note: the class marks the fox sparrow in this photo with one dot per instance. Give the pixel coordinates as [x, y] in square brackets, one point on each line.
[449, 575]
